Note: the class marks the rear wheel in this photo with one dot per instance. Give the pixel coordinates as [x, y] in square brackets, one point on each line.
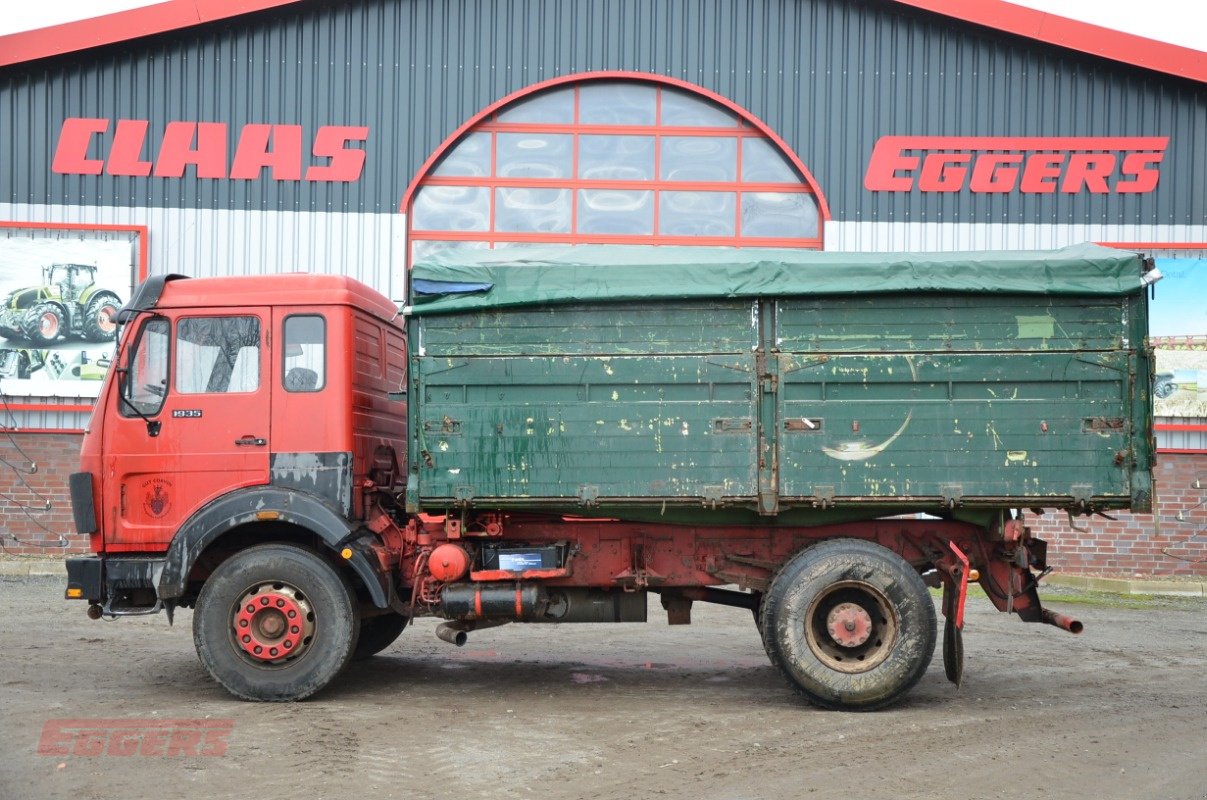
[378, 633]
[43, 323]
[99, 323]
[850, 624]
[275, 622]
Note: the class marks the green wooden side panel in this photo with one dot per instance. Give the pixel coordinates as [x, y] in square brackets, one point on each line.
[664, 328]
[967, 425]
[636, 427]
[928, 322]
[886, 400]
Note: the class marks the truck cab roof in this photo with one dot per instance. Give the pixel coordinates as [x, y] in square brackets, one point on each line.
[291, 289]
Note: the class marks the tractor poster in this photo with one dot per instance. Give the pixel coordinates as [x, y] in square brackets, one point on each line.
[1178, 335]
[59, 287]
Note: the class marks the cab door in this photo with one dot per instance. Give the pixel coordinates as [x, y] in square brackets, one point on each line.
[201, 381]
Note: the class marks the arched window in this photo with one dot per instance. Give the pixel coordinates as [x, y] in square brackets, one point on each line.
[613, 160]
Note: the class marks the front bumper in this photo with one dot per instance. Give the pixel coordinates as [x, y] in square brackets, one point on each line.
[123, 582]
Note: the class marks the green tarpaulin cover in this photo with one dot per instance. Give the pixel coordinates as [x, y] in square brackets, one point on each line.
[462, 281]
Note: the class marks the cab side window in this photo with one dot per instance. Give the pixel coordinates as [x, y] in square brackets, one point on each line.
[146, 380]
[305, 367]
[217, 355]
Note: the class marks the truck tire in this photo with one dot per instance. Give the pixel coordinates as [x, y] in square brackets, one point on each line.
[850, 624]
[98, 326]
[275, 622]
[43, 323]
[378, 633]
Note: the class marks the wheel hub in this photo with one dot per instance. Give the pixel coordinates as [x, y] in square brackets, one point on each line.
[849, 625]
[273, 623]
[104, 319]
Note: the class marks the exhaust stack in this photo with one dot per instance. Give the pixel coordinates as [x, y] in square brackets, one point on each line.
[1061, 621]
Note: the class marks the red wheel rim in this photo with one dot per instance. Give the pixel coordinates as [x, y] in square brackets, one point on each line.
[273, 624]
[48, 325]
[104, 318]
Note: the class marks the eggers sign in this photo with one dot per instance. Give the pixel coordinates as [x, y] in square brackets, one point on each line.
[203, 145]
[1033, 165]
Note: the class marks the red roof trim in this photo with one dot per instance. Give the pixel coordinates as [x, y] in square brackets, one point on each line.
[121, 26]
[135, 23]
[1128, 48]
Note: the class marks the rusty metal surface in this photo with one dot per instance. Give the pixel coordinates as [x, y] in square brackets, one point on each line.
[327, 476]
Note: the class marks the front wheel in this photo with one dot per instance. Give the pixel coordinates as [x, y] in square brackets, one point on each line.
[275, 622]
[43, 323]
[850, 624]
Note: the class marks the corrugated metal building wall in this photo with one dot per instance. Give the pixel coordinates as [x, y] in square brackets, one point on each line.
[829, 76]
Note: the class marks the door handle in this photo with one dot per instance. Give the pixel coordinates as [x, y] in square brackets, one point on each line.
[251, 441]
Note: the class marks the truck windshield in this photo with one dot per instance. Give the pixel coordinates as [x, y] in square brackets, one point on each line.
[146, 378]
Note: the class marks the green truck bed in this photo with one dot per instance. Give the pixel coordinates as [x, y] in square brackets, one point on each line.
[707, 385]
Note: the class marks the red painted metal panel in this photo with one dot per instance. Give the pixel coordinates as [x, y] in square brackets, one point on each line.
[122, 26]
[1073, 34]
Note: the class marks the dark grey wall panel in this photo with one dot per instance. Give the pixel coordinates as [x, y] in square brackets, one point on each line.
[830, 76]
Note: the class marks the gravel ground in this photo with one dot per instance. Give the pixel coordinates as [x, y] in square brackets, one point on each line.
[621, 711]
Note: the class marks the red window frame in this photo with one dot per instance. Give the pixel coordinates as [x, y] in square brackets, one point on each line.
[746, 127]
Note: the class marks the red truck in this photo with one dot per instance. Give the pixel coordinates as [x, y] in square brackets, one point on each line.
[310, 469]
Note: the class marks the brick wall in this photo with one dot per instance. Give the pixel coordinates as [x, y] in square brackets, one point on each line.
[1159, 544]
[1130, 546]
[27, 527]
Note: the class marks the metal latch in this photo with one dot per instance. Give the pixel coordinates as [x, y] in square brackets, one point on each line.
[712, 495]
[1082, 494]
[1091, 424]
[587, 495]
[447, 426]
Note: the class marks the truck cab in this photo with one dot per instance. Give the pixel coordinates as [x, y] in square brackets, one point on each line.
[226, 392]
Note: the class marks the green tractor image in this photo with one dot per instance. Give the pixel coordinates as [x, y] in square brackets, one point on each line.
[68, 304]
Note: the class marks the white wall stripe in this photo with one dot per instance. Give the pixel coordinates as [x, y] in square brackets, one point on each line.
[211, 242]
[948, 236]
